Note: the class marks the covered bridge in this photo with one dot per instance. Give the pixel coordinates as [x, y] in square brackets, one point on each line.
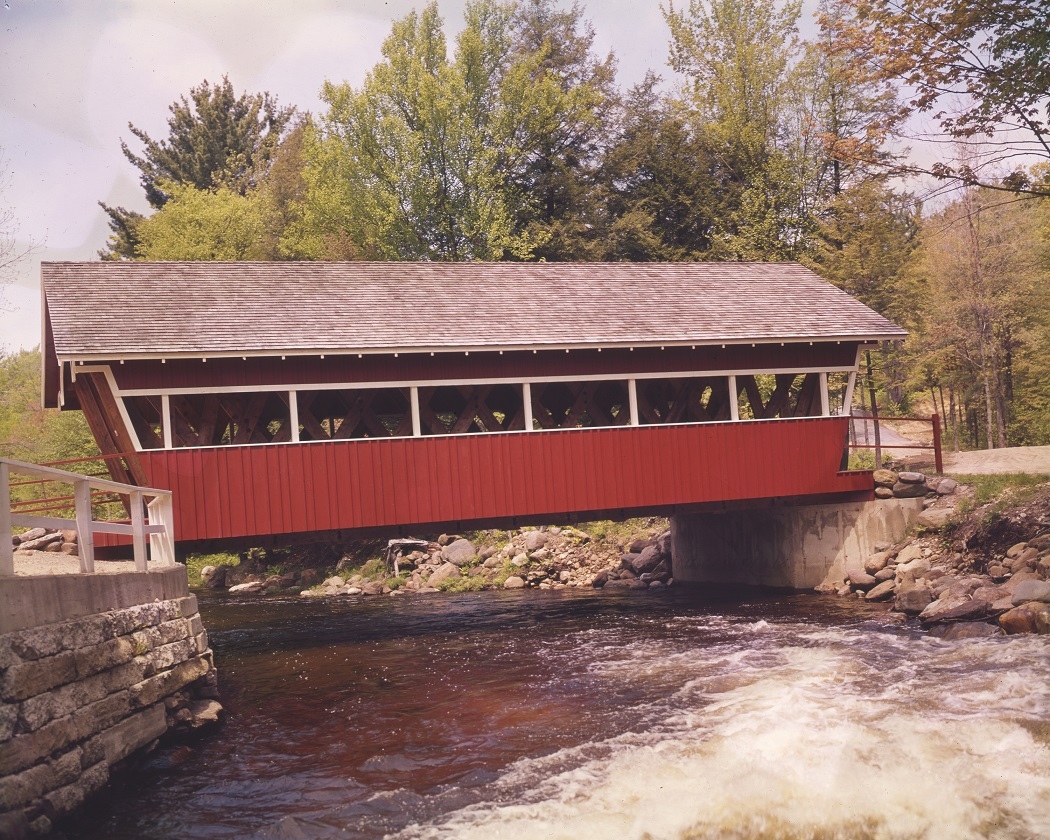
[292, 400]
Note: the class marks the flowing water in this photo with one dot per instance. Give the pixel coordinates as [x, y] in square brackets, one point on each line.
[578, 714]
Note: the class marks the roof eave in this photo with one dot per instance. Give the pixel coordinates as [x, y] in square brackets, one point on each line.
[869, 338]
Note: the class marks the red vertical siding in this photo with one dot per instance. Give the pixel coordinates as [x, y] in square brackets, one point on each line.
[249, 491]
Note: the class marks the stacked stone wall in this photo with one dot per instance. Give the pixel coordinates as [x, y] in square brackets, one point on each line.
[80, 695]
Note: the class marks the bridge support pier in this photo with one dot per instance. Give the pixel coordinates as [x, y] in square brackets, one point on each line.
[796, 547]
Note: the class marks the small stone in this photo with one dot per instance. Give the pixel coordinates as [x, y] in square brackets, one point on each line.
[335, 581]
[520, 560]
[909, 552]
[916, 568]
[253, 586]
[600, 579]
[883, 493]
[514, 582]
[885, 574]
[1015, 550]
[353, 590]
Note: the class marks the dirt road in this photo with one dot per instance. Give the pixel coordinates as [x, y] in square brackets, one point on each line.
[1014, 459]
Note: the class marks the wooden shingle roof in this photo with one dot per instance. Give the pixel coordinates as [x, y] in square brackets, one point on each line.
[111, 310]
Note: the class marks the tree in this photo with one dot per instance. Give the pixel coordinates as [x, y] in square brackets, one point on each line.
[197, 224]
[982, 263]
[737, 56]
[559, 165]
[981, 68]
[215, 140]
[418, 162]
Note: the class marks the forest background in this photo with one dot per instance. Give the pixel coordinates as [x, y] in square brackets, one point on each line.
[515, 142]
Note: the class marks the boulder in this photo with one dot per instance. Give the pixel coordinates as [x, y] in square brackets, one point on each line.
[535, 540]
[253, 586]
[459, 552]
[912, 599]
[969, 630]
[909, 552]
[600, 579]
[947, 486]
[876, 562]
[881, 592]
[885, 574]
[883, 493]
[514, 582]
[912, 478]
[856, 574]
[1015, 550]
[884, 478]
[217, 579]
[1031, 590]
[954, 608]
[446, 571]
[1033, 617]
[637, 546]
[916, 568]
[520, 560]
[41, 542]
[1042, 542]
[627, 560]
[647, 561]
[904, 490]
[310, 577]
[335, 580]
[935, 518]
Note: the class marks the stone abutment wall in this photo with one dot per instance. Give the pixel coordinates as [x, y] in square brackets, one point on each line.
[92, 669]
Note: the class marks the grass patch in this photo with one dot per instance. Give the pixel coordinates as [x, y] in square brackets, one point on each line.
[862, 459]
[196, 562]
[464, 583]
[623, 532]
[507, 570]
[1005, 488]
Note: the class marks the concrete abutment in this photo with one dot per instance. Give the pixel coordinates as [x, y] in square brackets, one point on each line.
[797, 547]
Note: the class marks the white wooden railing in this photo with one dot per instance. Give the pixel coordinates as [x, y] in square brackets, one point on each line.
[152, 518]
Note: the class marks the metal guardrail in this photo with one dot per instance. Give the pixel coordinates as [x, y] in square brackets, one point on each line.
[153, 519]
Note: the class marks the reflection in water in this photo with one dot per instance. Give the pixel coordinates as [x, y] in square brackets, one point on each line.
[604, 715]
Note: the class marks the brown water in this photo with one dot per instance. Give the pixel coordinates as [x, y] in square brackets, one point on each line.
[599, 715]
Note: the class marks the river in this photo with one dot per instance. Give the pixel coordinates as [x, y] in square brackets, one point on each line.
[585, 714]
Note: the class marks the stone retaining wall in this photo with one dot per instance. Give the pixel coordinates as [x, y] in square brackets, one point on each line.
[81, 694]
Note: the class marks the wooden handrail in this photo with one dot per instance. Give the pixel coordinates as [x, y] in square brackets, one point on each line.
[158, 530]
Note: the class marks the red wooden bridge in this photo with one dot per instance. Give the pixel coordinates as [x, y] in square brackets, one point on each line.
[292, 401]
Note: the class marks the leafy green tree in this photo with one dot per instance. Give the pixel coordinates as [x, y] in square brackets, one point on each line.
[417, 163]
[737, 57]
[215, 140]
[197, 224]
[29, 432]
[979, 67]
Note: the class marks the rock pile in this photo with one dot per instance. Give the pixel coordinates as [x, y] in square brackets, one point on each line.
[45, 539]
[537, 558]
[911, 485]
[646, 565]
[952, 591]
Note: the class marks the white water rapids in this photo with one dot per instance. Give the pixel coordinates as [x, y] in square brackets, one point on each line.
[795, 732]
